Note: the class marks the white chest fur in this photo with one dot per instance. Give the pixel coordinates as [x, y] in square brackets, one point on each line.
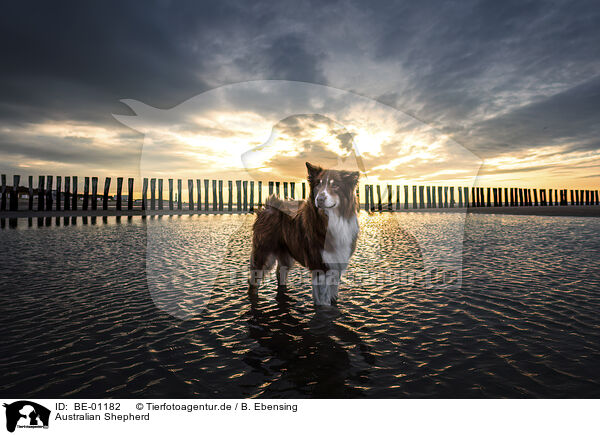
[340, 241]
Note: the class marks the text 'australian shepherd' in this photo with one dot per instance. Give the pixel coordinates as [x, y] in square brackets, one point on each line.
[319, 233]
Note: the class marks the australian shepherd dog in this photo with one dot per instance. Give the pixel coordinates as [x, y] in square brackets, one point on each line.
[319, 233]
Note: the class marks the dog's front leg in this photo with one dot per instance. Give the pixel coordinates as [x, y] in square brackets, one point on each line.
[325, 286]
[319, 288]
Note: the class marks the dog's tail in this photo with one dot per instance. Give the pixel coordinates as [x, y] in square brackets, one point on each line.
[274, 201]
[288, 207]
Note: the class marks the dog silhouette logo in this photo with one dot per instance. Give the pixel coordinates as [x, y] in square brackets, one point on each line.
[26, 414]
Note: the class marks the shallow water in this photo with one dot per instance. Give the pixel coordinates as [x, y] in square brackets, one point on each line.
[158, 307]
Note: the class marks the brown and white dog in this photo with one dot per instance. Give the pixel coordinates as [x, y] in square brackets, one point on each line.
[319, 233]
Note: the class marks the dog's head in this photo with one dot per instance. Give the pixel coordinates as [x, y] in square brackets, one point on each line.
[333, 190]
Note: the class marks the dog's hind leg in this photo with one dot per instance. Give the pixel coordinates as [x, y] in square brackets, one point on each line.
[284, 264]
[259, 264]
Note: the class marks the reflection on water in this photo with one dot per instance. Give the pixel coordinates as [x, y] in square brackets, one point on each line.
[80, 316]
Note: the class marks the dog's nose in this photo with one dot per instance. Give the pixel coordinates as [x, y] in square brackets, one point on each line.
[320, 200]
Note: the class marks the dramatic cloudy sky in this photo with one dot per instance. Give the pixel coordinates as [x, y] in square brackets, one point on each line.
[515, 83]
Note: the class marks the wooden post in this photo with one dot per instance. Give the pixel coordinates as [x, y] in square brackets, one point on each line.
[86, 192]
[414, 197]
[245, 184]
[3, 194]
[129, 193]
[587, 197]
[405, 197]
[440, 197]
[251, 205]
[495, 193]
[106, 189]
[68, 201]
[445, 196]
[572, 197]
[460, 197]
[170, 193]
[379, 207]
[220, 195]
[366, 197]
[433, 197]
[260, 194]
[292, 190]
[285, 190]
[152, 193]
[74, 197]
[372, 197]
[389, 195]
[489, 197]
[543, 201]
[144, 205]
[397, 197]
[41, 192]
[94, 192]
[145, 193]
[14, 194]
[270, 188]
[277, 185]
[521, 202]
[160, 193]
[535, 198]
[428, 196]
[206, 195]
[576, 197]
[562, 197]
[466, 196]
[303, 190]
[31, 193]
[421, 196]
[48, 195]
[119, 192]
[198, 194]
[215, 202]
[506, 201]
[597, 201]
[238, 187]
[230, 200]
[179, 194]
[451, 197]
[191, 194]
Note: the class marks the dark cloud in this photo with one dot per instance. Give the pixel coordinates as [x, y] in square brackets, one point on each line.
[571, 117]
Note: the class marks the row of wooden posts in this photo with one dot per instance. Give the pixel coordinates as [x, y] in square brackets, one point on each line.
[479, 197]
[67, 197]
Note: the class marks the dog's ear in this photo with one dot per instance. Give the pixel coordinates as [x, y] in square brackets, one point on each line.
[351, 177]
[312, 171]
